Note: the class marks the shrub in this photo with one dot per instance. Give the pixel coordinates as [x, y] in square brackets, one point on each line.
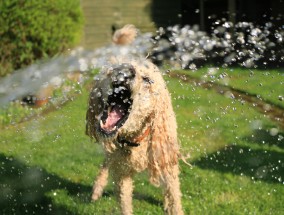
[34, 29]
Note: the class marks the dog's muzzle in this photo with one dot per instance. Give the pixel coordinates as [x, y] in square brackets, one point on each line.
[118, 105]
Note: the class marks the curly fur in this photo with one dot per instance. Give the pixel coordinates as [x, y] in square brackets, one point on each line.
[125, 35]
[151, 124]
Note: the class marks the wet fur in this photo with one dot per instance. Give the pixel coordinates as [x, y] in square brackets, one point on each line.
[158, 151]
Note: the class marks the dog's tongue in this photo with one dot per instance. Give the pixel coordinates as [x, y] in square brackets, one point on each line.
[113, 117]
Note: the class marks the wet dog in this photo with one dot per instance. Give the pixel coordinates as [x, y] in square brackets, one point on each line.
[131, 115]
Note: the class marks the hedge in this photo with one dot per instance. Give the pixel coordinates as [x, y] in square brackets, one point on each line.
[34, 29]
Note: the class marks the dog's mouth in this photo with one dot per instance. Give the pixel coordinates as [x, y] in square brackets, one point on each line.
[119, 101]
[117, 110]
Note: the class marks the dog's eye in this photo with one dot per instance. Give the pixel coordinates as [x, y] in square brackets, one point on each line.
[147, 80]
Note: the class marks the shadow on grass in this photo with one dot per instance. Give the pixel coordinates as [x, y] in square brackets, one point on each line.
[24, 189]
[267, 166]
[136, 195]
[263, 137]
[147, 198]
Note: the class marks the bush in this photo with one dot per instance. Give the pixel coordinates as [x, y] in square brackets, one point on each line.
[34, 29]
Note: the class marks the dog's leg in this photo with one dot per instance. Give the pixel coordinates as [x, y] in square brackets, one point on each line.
[100, 182]
[172, 193]
[124, 186]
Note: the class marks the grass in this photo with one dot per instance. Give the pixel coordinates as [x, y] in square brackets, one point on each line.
[47, 165]
[266, 84]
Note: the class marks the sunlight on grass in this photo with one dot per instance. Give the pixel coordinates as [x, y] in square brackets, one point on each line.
[237, 163]
[266, 84]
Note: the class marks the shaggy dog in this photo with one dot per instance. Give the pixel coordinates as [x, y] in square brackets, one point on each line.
[131, 115]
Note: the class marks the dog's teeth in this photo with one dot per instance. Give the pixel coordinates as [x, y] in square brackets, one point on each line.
[101, 123]
[109, 109]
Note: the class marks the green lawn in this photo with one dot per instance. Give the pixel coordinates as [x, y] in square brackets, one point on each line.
[47, 165]
[265, 84]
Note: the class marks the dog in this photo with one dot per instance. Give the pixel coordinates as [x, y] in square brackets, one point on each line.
[131, 115]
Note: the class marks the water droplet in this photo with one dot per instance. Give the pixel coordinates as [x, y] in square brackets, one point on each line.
[110, 92]
[99, 94]
[273, 131]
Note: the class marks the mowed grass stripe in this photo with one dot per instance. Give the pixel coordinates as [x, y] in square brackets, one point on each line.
[265, 84]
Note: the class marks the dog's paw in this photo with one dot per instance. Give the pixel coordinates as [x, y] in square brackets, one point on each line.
[97, 193]
[95, 197]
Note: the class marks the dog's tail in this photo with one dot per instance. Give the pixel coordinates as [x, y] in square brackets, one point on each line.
[125, 35]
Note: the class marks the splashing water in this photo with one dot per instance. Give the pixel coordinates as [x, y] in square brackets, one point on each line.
[182, 47]
[27, 81]
[243, 44]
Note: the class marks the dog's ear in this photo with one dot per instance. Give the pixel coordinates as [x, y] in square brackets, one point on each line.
[163, 149]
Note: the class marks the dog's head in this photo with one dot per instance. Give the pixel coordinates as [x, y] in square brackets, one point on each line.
[122, 100]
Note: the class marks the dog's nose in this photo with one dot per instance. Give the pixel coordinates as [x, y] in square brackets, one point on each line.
[123, 74]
